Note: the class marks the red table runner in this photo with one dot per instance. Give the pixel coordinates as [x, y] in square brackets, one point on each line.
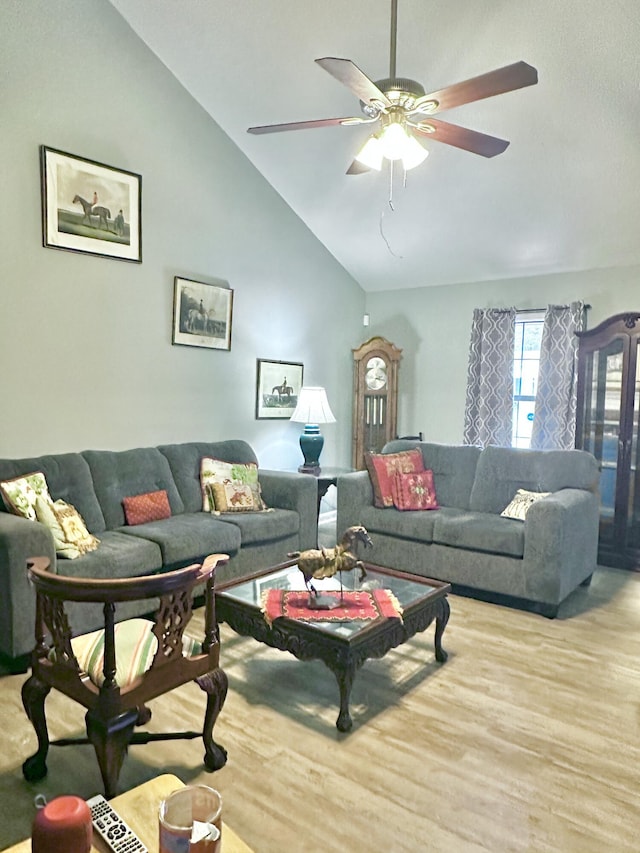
[359, 604]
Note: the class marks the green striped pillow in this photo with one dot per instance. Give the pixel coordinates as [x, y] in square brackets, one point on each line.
[136, 645]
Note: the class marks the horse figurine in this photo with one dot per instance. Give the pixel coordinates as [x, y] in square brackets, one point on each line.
[325, 562]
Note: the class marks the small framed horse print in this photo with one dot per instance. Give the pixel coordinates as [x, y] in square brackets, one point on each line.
[89, 207]
[202, 313]
[278, 385]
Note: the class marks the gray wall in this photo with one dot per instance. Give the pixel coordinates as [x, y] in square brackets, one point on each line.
[432, 325]
[85, 342]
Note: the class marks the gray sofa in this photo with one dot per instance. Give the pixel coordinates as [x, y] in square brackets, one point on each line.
[96, 481]
[533, 564]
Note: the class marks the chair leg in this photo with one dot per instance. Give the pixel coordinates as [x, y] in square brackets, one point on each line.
[34, 693]
[215, 685]
[110, 739]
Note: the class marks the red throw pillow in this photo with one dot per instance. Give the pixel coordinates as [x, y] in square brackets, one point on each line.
[151, 506]
[414, 491]
[384, 466]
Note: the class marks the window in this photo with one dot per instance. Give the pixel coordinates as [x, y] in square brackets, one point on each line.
[526, 360]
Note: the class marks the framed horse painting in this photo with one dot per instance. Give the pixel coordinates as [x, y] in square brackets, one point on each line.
[202, 313]
[278, 385]
[89, 207]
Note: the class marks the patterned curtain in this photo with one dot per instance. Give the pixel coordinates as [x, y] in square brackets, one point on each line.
[554, 422]
[489, 409]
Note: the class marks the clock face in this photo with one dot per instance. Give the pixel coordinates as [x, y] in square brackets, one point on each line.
[376, 373]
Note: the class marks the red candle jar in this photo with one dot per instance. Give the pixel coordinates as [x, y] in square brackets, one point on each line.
[62, 826]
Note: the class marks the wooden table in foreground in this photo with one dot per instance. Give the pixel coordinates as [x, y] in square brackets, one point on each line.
[139, 808]
[342, 646]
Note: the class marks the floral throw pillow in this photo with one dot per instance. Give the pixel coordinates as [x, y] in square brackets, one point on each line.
[414, 491]
[383, 467]
[522, 503]
[237, 497]
[20, 494]
[216, 472]
[70, 535]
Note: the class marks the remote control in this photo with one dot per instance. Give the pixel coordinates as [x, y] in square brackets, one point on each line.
[117, 835]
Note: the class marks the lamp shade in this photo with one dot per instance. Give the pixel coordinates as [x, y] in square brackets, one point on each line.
[313, 407]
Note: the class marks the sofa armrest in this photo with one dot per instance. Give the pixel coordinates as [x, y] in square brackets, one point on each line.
[560, 543]
[20, 539]
[297, 492]
[354, 494]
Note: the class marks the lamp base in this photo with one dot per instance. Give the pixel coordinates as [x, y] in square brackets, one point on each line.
[309, 469]
[311, 443]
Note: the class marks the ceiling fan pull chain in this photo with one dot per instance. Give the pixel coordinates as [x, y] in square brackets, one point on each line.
[391, 185]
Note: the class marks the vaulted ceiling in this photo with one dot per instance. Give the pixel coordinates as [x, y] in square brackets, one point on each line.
[564, 196]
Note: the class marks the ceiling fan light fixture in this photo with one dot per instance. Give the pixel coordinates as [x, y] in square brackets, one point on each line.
[371, 153]
[414, 154]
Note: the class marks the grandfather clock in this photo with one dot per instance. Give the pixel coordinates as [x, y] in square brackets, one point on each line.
[375, 397]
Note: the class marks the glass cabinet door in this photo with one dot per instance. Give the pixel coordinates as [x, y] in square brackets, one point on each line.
[600, 429]
[633, 502]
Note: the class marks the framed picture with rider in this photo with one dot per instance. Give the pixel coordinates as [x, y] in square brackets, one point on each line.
[90, 207]
[202, 313]
[278, 385]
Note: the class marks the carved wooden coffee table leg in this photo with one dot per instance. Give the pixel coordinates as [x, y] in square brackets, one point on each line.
[442, 617]
[345, 676]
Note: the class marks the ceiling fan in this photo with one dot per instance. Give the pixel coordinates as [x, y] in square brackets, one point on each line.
[403, 112]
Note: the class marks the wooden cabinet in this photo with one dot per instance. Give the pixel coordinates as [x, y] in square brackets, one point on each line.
[375, 397]
[607, 426]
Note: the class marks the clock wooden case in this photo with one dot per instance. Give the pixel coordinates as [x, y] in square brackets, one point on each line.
[375, 397]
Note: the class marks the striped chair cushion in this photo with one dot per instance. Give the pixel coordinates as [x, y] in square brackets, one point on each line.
[136, 646]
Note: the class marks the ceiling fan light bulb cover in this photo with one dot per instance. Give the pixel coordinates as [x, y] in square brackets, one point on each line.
[393, 141]
[371, 153]
[414, 154]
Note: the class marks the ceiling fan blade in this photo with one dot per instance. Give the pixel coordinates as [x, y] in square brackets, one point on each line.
[305, 125]
[496, 82]
[461, 137]
[348, 73]
[357, 168]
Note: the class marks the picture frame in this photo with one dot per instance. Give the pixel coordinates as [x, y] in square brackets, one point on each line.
[90, 207]
[202, 313]
[278, 385]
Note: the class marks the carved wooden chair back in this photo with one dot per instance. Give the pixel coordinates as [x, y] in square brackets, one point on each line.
[115, 671]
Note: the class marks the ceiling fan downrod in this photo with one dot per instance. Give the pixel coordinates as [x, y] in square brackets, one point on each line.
[394, 33]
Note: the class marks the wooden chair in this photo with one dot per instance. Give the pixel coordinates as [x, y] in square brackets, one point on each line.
[84, 668]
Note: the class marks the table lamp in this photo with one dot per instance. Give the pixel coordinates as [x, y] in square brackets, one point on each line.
[312, 409]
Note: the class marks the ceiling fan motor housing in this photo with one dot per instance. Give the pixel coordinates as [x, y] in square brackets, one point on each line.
[401, 91]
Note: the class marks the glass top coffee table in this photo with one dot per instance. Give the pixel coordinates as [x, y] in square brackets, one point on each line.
[342, 646]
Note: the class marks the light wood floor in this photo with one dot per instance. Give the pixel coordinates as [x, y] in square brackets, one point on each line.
[527, 739]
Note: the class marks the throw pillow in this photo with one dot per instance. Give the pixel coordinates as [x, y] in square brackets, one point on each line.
[414, 491]
[151, 506]
[71, 537]
[383, 467]
[215, 471]
[236, 497]
[20, 494]
[521, 503]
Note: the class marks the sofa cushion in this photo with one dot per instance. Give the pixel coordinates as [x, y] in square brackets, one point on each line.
[268, 526]
[479, 531]
[383, 467]
[414, 525]
[502, 471]
[188, 537]
[151, 506]
[120, 474]
[68, 478]
[184, 461]
[117, 556]
[414, 491]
